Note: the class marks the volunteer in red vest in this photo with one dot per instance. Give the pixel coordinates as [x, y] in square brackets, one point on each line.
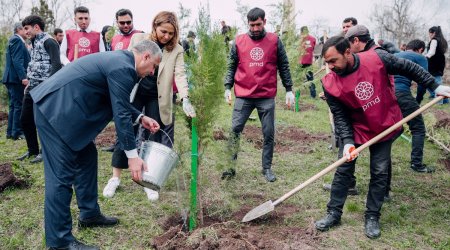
[254, 60]
[308, 43]
[362, 100]
[124, 20]
[87, 40]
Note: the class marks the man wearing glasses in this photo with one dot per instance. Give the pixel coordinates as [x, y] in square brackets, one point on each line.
[124, 19]
[81, 41]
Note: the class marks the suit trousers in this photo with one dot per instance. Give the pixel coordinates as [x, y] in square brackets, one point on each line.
[243, 107]
[28, 124]
[64, 171]
[380, 160]
[15, 96]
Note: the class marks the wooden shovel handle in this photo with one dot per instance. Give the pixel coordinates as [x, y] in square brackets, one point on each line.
[358, 150]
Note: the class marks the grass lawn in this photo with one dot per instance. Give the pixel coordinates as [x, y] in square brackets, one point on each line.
[418, 217]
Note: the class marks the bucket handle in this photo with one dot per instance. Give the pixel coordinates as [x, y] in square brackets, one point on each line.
[161, 130]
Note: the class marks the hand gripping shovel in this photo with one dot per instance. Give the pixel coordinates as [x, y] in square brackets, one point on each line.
[269, 206]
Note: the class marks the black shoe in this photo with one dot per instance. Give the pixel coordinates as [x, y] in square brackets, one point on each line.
[327, 222]
[9, 137]
[422, 168]
[24, 156]
[36, 159]
[98, 221]
[372, 227]
[109, 149]
[228, 174]
[19, 137]
[269, 175]
[351, 191]
[75, 245]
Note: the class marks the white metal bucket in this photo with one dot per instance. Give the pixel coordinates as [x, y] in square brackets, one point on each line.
[160, 160]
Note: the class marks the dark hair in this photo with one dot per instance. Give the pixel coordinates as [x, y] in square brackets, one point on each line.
[415, 45]
[57, 31]
[33, 20]
[442, 43]
[123, 12]
[80, 9]
[351, 19]
[363, 38]
[255, 13]
[191, 34]
[105, 29]
[304, 29]
[339, 42]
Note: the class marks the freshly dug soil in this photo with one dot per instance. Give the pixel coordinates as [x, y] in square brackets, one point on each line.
[219, 135]
[107, 137]
[263, 233]
[3, 118]
[446, 163]
[7, 178]
[287, 138]
[442, 118]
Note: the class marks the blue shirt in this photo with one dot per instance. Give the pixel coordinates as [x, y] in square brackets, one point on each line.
[403, 83]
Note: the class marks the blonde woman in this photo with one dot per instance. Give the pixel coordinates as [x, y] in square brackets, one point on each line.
[155, 92]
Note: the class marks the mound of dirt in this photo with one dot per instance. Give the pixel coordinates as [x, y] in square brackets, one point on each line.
[7, 178]
[263, 233]
[442, 118]
[107, 137]
[219, 135]
[302, 106]
[287, 138]
[3, 118]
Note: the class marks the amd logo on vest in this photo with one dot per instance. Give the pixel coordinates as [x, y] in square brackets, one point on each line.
[364, 91]
[256, 54]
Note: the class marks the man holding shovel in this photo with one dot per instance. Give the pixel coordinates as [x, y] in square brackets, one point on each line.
[71, 108]
[362, 100]
[253, 63]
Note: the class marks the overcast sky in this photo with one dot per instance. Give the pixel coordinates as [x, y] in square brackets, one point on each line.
[331, 12]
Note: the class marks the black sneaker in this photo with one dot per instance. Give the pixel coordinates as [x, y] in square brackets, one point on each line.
[372, 227]
[75, 245]
[36, 159]
[330, 220]
[423, 168]
[228, 174]
[269, 175]
[24, 156]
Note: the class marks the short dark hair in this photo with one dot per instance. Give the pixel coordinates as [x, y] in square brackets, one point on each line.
[255, 13]
[123, 12]
[57, 31]
[33, 20]
[80, 9]
[415, 45]
[364, 38]
[339, 42]
[350, 19]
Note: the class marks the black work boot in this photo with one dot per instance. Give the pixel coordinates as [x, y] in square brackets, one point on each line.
[98, 221]
[269, 175]
[330, 220]
[228, 174]
[372, 227]
[422, 168]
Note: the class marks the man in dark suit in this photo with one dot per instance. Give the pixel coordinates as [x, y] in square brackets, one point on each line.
[15, 79]
[71, 108]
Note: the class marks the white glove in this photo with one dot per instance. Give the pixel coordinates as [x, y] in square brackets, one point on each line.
[290, 99]
[188, 108]
[227, 96]
[442, 90]
[348, 149]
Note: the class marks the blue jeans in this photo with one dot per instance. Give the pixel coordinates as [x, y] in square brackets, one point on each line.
[15, 96]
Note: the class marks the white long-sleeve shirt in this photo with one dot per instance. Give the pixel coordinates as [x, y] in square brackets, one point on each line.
[63, 48]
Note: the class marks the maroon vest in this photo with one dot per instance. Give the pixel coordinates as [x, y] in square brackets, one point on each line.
[256, 75]
[369, 96]
[88, 43]
[308, 45]
[121, 42]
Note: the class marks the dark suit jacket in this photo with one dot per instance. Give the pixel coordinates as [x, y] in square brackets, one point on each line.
[80, 99]
[17, 59]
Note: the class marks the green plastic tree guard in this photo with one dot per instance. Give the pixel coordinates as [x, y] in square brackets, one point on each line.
[194, 173]
[297, 100]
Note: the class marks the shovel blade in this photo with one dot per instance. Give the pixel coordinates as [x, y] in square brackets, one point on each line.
[259, 211]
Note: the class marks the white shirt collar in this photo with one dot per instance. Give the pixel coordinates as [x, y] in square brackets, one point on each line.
[21, 38]
[88, 30]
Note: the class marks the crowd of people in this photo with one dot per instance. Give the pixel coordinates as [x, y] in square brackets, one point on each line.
[65, 81]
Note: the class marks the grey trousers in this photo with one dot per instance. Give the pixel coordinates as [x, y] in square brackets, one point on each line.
[243, 107]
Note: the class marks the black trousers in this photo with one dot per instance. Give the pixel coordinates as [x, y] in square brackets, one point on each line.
[380, 160]
[408, 105]
[28, 124]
